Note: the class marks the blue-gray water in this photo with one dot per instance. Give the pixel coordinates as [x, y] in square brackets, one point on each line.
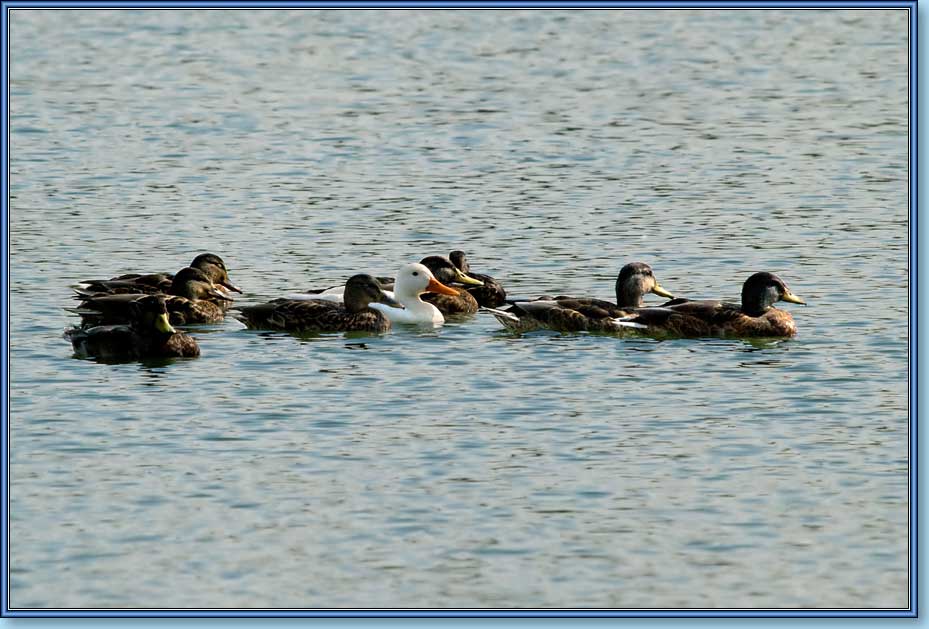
[463, 467]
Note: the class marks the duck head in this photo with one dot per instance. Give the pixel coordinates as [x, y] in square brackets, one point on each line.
[446, 272]
[214, 268]
[460, 261]
[150, 314]
[415, 279]
[362, 290]
[762, 290]
[194, 284]
[635, 280]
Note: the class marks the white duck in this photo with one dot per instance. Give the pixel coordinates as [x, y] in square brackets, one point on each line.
[412, 281]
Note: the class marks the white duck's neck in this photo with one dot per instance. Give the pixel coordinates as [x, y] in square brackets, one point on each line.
[421, 310]
[415, 310]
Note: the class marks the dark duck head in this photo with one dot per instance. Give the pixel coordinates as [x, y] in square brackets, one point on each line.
[635, 280]
[362, 290]
[149, 316]
[214, 268]
[763, 290]
[194, 284]
[446, 272]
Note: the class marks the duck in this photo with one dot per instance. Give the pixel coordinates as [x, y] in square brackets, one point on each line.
[491, 294]
[356, 314]
[447, 273]
[755, 316]
[191, 299]
[148, 334]
[411, 281]
[151, 283]
[580, 314]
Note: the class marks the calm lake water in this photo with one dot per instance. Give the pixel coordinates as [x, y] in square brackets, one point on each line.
[463, 466]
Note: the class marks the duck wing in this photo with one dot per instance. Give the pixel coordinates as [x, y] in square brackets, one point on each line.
[294, 315]
[567, 315]
[687, 318]
[102, 309]
[130, 283]
[592, 308]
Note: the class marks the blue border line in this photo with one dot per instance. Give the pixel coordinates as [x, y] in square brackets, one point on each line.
[449, 4]
[464, 613]
[912, 612]
[4, 319]
[914, 309]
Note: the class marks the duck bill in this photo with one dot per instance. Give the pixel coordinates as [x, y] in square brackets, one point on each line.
[658, 290]
[435, 286]
[788, 296]
[163, 325]
[231, 286]
[463, 278]
[218, 294]
[390, 301]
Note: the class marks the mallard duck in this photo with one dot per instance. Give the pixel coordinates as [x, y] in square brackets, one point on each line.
[362, 293]
[190, 301]
[577, 314]
[151, 283]
[413, 280]
[447, 273]
[147, 335]
[490, 294]
[755, 316]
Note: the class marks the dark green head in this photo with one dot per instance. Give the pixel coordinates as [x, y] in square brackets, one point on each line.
[150, 315]
[444, 271]
[194, 284]
[361, 290]
[762, 290]
[634, 281]
[215, 269]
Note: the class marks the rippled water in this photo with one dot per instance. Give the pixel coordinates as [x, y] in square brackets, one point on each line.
[464, 467]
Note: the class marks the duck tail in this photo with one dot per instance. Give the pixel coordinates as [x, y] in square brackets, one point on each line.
[82, 311]
[83, 292]
[500, 314]
[626, 322]
[507, 319]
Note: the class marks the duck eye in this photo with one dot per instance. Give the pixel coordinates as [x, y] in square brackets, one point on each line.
[415, 273]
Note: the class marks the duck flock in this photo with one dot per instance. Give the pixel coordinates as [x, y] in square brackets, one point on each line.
[132, 316]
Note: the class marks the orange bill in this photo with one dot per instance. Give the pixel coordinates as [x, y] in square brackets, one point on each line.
[435, 286]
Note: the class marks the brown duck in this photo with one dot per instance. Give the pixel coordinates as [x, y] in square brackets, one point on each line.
[303, 315]
[755, 316]
[579, 314]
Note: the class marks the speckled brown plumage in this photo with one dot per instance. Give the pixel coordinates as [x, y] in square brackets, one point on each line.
[295, 315]
[584, 314]
[460, 304]
[190, 302]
